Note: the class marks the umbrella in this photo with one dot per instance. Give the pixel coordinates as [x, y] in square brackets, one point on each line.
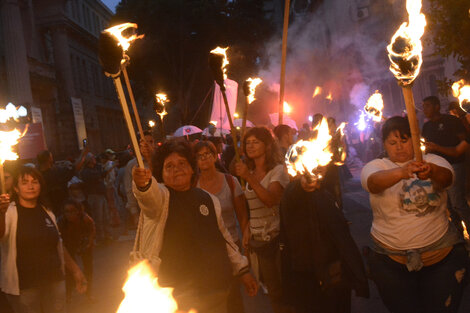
[187, 130]
[274, 117]
[238, 123]
[218, 132]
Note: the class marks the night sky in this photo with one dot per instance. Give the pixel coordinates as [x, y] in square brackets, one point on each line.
[111, 3]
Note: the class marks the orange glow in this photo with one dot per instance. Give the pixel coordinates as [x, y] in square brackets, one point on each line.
[317, 91]
[374, 106]
[253, 83]
[465, 233]
[124, 42]
[405, 48]
[329, 97]
[151, 123]
[287, 108]
[222, 52]
[8, 139]
[422, 144]
[461, 91]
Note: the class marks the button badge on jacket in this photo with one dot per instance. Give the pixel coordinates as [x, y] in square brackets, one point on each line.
[204, 209]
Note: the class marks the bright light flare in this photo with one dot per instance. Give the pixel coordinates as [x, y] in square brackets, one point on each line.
[310, 118]
[236, 115]
[213, 122]
[317, 91]
[222, 52]
[307, 157]
[162, 98]
[151, 123]
[462, 92]
[405, 48]
[253, 83]
[12, 113]
[340, 146]
[374, 106]
[287, 108]
[465, 233]
[144, 295]
[124, 42]
[329, 97]
[422, 144]
[7, 140]
[361, 124]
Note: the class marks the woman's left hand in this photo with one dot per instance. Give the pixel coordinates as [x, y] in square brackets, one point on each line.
[425, 172]
[80, 281]
[251, 286]
[241, 170]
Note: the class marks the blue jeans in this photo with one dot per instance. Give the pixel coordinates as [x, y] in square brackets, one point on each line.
[436, 288]
[48, 298]
[456, 192]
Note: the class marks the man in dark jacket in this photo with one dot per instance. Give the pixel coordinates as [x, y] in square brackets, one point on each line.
[320, 260]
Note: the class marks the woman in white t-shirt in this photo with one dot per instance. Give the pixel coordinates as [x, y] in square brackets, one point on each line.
[418, 261]
[265, 179]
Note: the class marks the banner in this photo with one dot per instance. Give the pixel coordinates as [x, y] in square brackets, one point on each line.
[32, 142]
[79, 120]
[218, 107]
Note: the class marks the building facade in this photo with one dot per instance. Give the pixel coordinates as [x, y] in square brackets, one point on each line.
[49, 63]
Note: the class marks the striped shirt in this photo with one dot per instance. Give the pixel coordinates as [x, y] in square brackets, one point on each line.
[264, 221]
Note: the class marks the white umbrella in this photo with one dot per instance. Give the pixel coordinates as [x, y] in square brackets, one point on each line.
[238, 123]
[274, 117]
[186, 131]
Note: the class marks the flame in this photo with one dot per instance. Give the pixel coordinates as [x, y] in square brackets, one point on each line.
[7, 140]
[465, 233]
[307, 157]
[317, 91]
[329, 97]
[124, 42]
[253, 83]
[461, 91]
[12, 113]
[235, 115]
[213, 122]
[405, 48]
[222, 52]
[151, 123]
[143, 294]
[374, 106]
[361, 124]
[162, 98]
[340, 149]
[287, 108]
[422, 144]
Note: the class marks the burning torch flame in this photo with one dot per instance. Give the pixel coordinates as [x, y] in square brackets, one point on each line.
[10, 112]
[151, 123]
[213, 122]
[235, 115]
[253, 83]
[317, 91]
[124, 42]
[287, 108]
[422, 145]
[405, 48]
[374, 106]
[162, 98]
[144, 295]
[462, 92]
[340, 149]
[329, 97]
[7, 140]
[222, 52]
[465, 233]
[306, 157]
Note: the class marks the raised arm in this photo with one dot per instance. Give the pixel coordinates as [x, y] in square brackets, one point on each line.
[150, 195]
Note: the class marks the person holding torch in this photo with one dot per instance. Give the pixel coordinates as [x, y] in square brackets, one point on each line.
[417, 260]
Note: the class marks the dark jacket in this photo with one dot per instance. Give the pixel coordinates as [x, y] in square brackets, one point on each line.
[314, 236]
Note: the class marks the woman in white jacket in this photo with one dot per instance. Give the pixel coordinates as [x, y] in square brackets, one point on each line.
[184, 235]
[33, 259]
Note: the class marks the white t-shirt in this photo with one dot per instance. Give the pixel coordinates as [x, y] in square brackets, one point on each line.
[410, 214]
[264, 221]
[226, 203]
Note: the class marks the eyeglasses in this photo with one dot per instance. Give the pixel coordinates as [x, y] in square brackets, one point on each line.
[203, 156]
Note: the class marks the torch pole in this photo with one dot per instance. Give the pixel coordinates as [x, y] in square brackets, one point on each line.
[127, 116]
[131, 95]
[233, 130]
[412, 119]
[2, 179]
[283, 62]
[245, 116]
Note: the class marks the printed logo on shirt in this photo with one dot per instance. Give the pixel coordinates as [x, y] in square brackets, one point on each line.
[204, 210]
[418, 197]
[49, 222]
[440, 127]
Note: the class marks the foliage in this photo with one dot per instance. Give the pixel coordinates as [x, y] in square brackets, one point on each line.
[178, 37]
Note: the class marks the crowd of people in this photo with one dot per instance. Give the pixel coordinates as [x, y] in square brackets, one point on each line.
[211, 224]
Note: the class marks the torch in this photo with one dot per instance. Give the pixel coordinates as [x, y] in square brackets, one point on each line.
[112, 48]
[217, 62]
[162, 99]
[405, 54]
[374, 107]
[462, 92]
[8, 138]
[310, 157]
[249, 89]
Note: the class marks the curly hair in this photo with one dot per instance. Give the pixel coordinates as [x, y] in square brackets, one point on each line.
[273, 155]
[180, 147]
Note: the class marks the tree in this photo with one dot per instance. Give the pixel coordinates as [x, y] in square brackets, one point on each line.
[449, 22]
[178, 37]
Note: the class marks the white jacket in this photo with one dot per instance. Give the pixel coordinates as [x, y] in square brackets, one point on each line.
[154, 203]
[9, 282]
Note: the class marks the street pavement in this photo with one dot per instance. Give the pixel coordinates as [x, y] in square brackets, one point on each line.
[111, 263]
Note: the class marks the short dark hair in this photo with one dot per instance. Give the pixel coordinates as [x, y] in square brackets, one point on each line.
[204, 144]
[34, 173]
[273, 155]
[396, 123]
[43, 156]
[433, 100]
[172, 146]
[281, 130]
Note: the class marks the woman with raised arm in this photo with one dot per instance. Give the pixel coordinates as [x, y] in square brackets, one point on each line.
[183, 232]
[418, 260]
[265, 178]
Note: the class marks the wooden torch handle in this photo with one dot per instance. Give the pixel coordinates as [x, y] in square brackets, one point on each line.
[413, 120]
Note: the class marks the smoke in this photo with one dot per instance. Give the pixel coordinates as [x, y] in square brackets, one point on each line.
[334, 49]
